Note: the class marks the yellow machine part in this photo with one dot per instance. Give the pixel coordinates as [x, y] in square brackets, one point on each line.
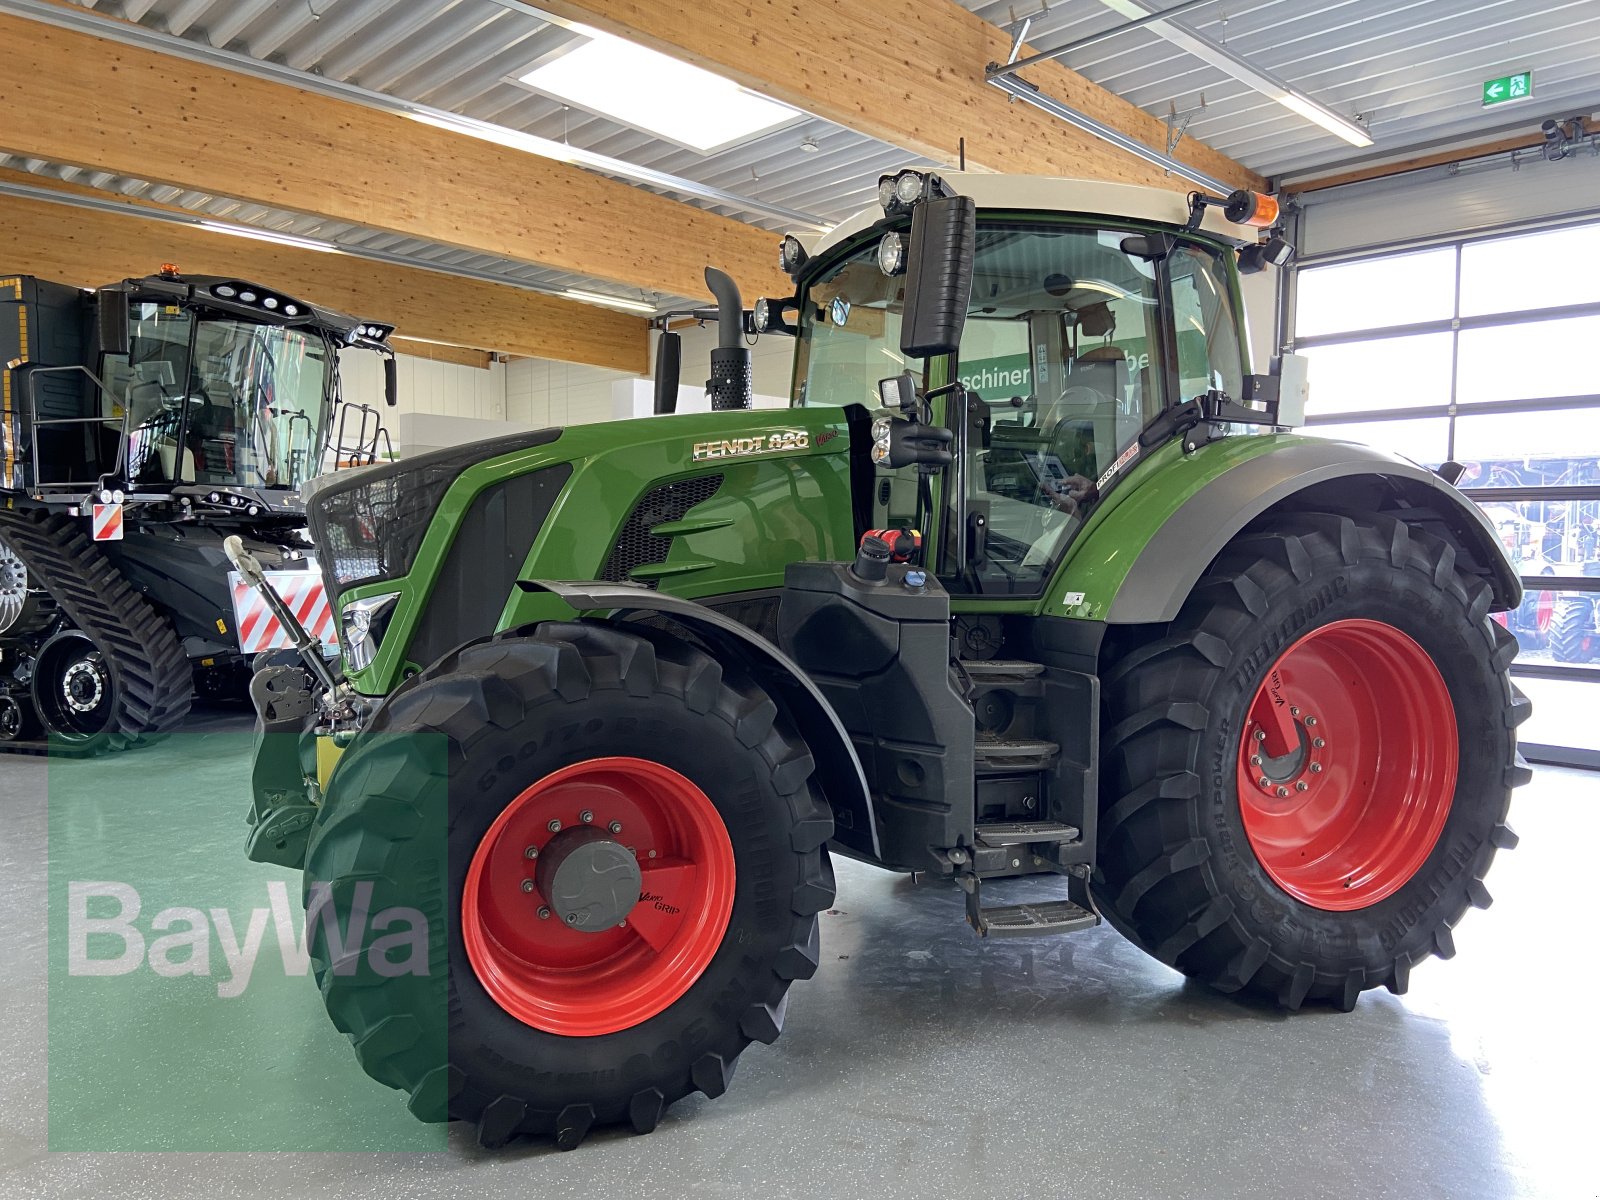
[328, 755]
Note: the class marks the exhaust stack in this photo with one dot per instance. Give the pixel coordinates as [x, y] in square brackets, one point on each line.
[729, 385]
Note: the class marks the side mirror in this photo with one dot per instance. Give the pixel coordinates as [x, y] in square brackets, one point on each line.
[111, 321]
[669, 362]
[391, 381]
[944, 238]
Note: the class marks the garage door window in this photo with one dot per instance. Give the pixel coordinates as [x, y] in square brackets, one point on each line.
[1483, 352]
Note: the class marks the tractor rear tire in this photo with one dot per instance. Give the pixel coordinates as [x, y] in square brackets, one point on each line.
[625, 740]
[1312, 856]
[1573, 637]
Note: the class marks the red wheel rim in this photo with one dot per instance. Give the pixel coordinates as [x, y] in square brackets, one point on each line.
[1347, 766]
[577, 984]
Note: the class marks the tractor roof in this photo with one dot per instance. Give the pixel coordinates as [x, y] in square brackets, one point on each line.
[1047, 193]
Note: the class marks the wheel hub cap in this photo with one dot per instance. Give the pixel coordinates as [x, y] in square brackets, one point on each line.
[1348, 764]
[82, 687]
[590, 882]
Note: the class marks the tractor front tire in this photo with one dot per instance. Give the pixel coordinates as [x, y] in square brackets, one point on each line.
[1307, 775]
[632, 868]
[1573, 637]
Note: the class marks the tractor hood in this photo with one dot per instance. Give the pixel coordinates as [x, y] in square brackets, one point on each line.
[694, 504]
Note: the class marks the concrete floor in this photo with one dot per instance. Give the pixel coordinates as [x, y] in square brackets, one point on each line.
[921, 1060]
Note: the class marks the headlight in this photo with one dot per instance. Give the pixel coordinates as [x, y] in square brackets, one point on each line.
[908, 186]
[880, 429]
[364, 622]
[892, 254]
[761, 315]
[791, 255]
[880, 452]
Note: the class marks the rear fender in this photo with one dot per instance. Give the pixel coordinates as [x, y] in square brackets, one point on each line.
[1182, 517]
[838, 769]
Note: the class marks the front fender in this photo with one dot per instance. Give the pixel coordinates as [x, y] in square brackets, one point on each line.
[1139, 565]
[838, 769]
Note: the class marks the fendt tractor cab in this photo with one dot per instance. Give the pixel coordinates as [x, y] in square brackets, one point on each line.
[1031, 580]
[141, 424]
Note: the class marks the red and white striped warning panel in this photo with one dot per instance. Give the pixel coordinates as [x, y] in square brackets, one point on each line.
[107, 523]
[259, 629]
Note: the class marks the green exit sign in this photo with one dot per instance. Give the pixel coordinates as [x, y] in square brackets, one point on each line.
[1507, 87]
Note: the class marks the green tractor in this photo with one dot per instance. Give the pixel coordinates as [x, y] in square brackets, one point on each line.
[1031, 580]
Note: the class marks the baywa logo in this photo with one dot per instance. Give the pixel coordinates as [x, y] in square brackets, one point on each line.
[107, 937]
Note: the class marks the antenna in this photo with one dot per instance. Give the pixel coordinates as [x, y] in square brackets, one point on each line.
[962, 145]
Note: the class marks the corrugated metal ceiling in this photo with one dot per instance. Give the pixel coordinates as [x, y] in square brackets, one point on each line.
[1411, 68]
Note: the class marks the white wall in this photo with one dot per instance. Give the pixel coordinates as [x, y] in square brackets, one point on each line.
[541, 393]
[442, 388]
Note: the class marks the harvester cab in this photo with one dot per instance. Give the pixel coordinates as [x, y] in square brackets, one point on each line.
[1033, 579]
[141, 423]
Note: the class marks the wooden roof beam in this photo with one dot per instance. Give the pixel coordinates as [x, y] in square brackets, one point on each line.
[89, 248]
[93, 102]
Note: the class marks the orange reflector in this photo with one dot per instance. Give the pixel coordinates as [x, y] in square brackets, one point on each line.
[169, 269]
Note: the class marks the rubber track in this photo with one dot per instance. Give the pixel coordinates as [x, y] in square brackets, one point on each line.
[1179, 915]
[497, 682]
[154, 682]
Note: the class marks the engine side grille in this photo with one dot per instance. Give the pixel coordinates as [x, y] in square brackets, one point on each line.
[636, 545]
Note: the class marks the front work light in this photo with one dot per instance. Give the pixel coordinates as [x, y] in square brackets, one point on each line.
[892, 254]
[791, 255]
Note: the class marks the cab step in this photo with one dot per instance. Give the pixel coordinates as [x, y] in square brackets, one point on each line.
[1024, 920]
[1022, 833]
[988, 670]
[994, 753]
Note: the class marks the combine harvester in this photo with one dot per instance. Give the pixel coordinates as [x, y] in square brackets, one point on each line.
[140, 425]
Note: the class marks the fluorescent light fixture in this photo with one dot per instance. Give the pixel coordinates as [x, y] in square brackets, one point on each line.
[1247, 73]
[609, 301]
[512, 139]
[1331, 121]
[269, 235]
[650, 91]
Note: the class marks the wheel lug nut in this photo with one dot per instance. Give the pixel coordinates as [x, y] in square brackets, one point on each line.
[572, 918]
[652, 854]
[1300, 785]
[531, 852]
[615, 827]
[1318, 743]
[1255, 760]
[555, 824]
[1316, 768]
[544, 914]
[586, 816]
[527, 885]
[1265, 782]
[1261, 735]
[1282, 791]
[1293, 711]
[1311, 720]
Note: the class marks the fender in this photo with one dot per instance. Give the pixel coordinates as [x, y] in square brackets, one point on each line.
[838, 770]
[1185, 528]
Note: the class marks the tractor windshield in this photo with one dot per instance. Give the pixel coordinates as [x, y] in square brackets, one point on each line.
[1065, 360]
[218, 400]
